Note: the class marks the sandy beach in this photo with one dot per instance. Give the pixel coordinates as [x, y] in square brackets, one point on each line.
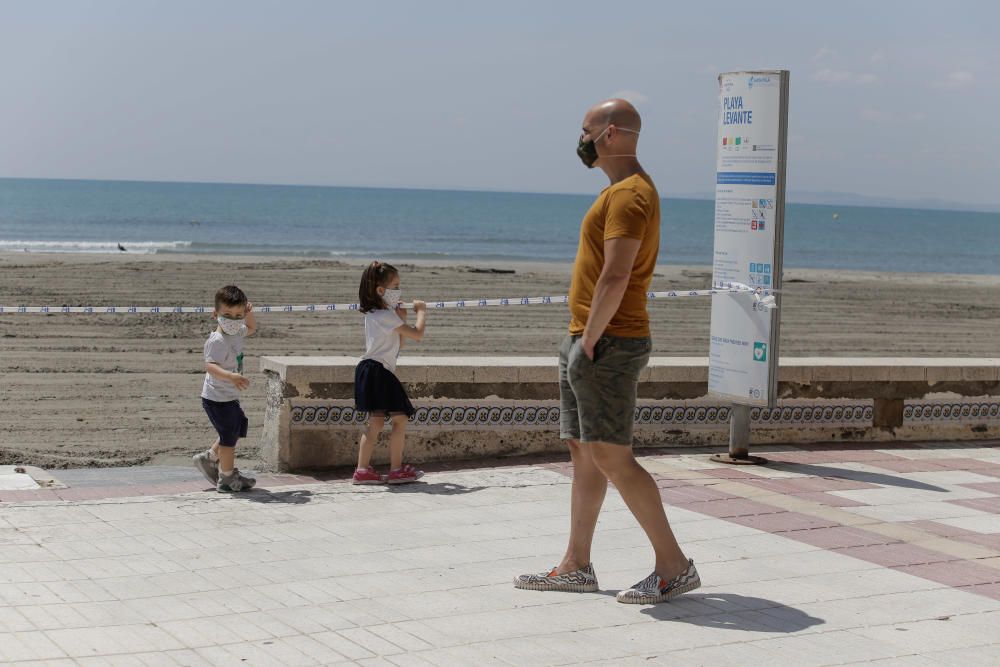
[108, 390]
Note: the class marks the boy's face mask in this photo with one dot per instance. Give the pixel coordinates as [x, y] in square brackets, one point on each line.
[231, 327]
[392, 297]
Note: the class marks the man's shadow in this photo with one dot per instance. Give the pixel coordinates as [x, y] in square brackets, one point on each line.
[730, 613]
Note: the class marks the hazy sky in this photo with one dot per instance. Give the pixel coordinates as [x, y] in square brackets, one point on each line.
[887, 98]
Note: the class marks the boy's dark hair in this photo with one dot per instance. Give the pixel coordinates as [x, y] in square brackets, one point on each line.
[376, 275]
[230, 295]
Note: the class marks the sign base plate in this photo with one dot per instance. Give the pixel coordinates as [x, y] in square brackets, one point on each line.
[739, 460]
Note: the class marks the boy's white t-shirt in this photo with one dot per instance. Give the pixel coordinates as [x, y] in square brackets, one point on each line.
[227, 352]
[381, 337]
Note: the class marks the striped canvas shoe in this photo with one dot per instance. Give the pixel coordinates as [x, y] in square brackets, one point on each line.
[578, 581]
[652, 589]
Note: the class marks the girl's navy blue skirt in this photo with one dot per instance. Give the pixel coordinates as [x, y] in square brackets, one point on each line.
[377, 389]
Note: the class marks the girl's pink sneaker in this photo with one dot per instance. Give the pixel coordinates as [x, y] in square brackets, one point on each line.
[404, 475]
[367, 476]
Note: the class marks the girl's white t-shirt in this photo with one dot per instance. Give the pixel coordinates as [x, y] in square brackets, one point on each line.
[381, 337]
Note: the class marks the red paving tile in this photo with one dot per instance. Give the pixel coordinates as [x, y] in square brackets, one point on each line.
[896, 555]
[808, 484]
[171, 489]
[989, 590]
[972, 465]
[729, 473]
[85, 493]
[987, 487]
[783, 522]
[34, 494]
[954, 573]
[670, 483]
[839, 537]
[991, 505]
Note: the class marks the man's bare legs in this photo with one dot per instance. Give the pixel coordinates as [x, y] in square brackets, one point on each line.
[639, 491]
[589, 488]
[596, 463]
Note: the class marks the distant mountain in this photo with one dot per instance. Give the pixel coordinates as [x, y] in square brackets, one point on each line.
[833, 198]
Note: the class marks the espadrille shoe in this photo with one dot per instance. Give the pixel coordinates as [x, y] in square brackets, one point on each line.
[578, 581]
[653, 589]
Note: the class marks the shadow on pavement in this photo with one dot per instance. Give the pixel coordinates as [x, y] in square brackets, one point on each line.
[854, 475]
[434, 488]
[733, 613]
[296, 497]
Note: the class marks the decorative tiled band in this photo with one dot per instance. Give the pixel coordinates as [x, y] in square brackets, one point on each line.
[514, 414]
[951, 410]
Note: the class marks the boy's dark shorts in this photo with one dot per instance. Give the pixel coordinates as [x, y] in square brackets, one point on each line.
[597, 398]
[228, 419]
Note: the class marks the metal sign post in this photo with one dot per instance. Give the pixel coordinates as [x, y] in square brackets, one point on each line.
[751, 154]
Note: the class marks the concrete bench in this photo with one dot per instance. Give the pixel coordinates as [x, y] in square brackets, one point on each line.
[470, 407]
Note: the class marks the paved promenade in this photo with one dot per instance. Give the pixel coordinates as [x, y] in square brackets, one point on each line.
[830, 555]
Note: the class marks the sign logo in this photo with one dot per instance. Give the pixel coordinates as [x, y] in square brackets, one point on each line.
[759, 81]
[760, 351]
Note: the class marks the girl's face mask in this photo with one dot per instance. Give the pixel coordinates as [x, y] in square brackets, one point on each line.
[231, 327]
[392, 297]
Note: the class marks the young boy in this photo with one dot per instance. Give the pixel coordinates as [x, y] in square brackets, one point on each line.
[220, 394]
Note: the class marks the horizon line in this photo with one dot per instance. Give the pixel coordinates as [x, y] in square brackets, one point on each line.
[902, 204]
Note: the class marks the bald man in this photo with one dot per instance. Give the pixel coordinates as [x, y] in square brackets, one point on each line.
[600, 360]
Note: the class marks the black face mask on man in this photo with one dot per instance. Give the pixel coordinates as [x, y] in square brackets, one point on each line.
[587, 150]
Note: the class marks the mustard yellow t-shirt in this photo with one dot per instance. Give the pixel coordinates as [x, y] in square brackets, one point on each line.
[628, 209]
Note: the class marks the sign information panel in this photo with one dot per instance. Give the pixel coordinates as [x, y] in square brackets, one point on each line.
[749, 223]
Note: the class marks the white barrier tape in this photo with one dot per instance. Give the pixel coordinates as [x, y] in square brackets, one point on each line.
[761, 296]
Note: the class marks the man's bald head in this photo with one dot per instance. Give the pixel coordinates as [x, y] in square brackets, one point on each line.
[617, 112]
[613, 121]
[610, 131]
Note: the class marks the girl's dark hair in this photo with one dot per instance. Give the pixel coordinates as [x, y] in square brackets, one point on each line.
[230, 295]
[377, 274]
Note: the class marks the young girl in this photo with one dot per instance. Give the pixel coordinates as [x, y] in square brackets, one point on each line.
[377, 391]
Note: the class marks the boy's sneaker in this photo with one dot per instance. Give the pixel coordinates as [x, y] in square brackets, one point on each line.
[208, 467]
[404, 475]
[653, 589]
[578, 581]
[235, 481]
[366, 476]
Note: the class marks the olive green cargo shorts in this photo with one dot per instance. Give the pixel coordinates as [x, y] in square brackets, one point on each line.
[597, 398]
